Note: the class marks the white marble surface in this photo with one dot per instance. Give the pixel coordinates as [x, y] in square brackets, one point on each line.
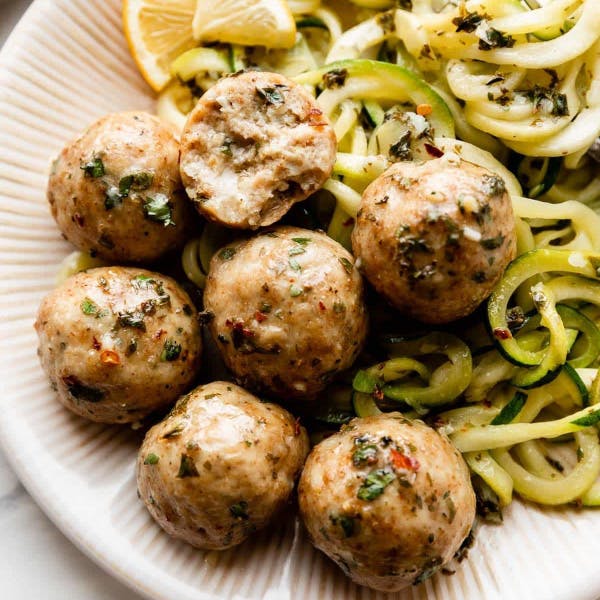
[36, 561]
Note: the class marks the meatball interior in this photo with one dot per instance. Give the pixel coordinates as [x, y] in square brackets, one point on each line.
[118, 343]
[434, 238]
[288, 310]
[388, 499]
[220, 466]
[255, 144]
[115, 191]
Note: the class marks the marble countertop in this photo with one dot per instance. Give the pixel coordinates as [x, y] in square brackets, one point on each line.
[36, 561]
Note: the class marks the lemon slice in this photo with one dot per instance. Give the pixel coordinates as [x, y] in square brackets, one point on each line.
[157, 33]
[267, 23]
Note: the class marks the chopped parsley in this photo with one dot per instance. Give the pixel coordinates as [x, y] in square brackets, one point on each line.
[227, 253]
[401, 149]
[302, 241]
[135, 181]
[187, 468]
[364, 454]
[493, 243]
[294, 265]
[94, 168]
[296, 291]
[133, 319]
[171, 351]
[158, 209]
[240, 510]
[375, 484]
[112, 198]
[348, 266]
[272, 95]
[540, 96]
[88, 307]
[151, 459]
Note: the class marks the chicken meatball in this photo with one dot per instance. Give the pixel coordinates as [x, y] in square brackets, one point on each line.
[287, 311]
[255, 144]
[115, 191]
[434, 238]
[220, 466]
[118, 343]
[388, 499]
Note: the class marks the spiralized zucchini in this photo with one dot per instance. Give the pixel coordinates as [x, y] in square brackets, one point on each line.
[516, 90]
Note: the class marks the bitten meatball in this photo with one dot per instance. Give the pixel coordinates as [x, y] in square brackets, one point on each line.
[388, 499]
[118, 343]
[288, 310]
[255, 144]
[434, 238]
[220, 465]
[115, 191]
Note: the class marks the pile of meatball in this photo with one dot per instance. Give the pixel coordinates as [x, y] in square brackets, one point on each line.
[387, 498]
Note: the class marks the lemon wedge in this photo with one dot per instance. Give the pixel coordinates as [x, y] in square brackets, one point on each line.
[267, 23]
[157, 33]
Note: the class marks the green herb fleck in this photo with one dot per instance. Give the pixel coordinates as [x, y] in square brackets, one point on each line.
[171, 351]
[112, 198]
[493, 243]
[302, 240]
[348, 266]
[133, 319]
[296, 250]
[375, 484]
[272, 95]
[94, 168]
[365, 453]
[151, 459]
[88, 307]
[227, 253]
[187, 468]
[135, 181]
[240, 510]
[339, 308]
[296, 291]
[295, 265]
[401, 149]
[176, 431]
[158, 209]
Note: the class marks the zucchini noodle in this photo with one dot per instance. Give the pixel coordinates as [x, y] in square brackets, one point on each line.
[513, 89]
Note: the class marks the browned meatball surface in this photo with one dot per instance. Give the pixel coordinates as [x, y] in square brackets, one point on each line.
[118, 343]
[255, 144]
[115, 191]
[289, 311]
[388, 499]
[434, 238]
[220, 466]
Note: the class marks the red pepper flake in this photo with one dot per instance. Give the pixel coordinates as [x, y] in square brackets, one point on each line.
[378, 393]
[260, 316]
[297, 427]
[433, 151]
[502, 334]
[348, 222]
[402, 461]
[108, 357]
[78, 219]
[96, 345]
[322, 306]
[159, 334]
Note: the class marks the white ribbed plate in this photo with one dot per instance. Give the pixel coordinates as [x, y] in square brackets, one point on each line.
[65, 65]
